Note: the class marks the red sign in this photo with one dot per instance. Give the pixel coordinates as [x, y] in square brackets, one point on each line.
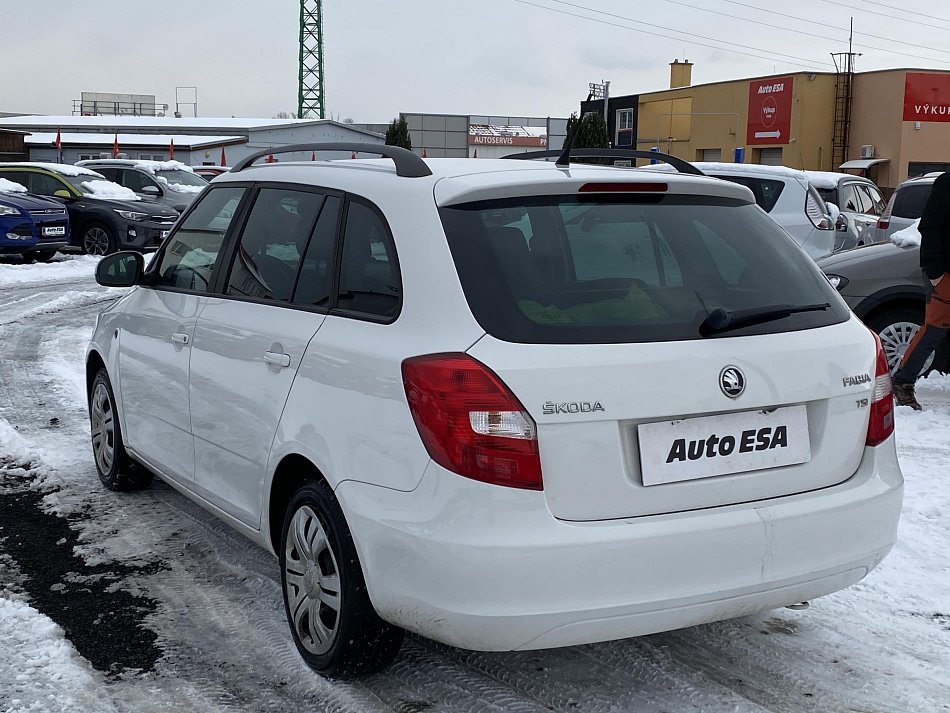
[927, 97]
[770, 111]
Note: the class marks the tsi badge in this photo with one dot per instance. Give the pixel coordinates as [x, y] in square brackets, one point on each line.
[732, 382]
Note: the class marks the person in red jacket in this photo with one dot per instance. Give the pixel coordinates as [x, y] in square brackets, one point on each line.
[935, 262]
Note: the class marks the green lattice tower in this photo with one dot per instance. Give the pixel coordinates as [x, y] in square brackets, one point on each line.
[310, 95]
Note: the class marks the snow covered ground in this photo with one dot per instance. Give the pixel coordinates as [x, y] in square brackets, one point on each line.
[207, 603]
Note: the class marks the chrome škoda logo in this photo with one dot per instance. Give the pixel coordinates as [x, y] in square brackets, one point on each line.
[732, 381]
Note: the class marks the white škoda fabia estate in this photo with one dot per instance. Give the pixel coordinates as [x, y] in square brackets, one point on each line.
[503, 404]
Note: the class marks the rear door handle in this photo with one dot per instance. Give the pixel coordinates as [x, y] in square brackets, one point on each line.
[277, 358]
[180, 338]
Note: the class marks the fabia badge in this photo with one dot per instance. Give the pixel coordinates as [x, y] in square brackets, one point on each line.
[732, 382]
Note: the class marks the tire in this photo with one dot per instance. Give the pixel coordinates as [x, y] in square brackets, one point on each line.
[896, 328]
[116, 469]
[98, 239]
[333, 623]
[41, 255]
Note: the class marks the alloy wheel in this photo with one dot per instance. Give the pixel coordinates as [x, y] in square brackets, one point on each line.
[895, 338]
[95, 241]
[312, 582]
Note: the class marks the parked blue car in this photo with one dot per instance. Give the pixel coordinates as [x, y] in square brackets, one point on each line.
[31, 226]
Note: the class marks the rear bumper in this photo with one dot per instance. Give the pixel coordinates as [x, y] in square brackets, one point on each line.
[489, 568]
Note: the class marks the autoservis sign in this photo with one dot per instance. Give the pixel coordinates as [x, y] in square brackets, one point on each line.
[926, 97]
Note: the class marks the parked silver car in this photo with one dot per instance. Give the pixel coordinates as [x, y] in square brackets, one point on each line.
[905, 206]
[857, 202]
[169, 182]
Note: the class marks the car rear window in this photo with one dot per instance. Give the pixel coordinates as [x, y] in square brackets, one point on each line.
[910, 200]
[616, 269]
[765, 190]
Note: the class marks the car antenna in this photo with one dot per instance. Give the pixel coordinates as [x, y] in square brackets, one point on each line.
[564, 160]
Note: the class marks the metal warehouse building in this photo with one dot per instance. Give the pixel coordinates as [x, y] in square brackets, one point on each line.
[196, 141]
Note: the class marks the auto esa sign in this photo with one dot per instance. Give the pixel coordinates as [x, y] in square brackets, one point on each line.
[770, 111]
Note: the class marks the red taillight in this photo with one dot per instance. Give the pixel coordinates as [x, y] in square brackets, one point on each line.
[470, 422]
[885, 219]
[881, 424]
[882, 223]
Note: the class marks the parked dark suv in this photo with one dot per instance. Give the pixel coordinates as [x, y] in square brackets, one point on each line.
[105, 217]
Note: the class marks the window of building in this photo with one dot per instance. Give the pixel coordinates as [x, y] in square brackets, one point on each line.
[625, 128]
[918, 168]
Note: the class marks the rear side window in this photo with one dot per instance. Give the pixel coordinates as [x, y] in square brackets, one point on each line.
[369, 274]
[910, 200]
[609, 269]
[189, 257]
[765, 190]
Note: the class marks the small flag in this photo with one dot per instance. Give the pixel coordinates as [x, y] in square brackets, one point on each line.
[171, 150]
[115, 146]
[313, 155]
[270, 158]
[224, 160]
[424, 153]
[353, 155]
[59, 141]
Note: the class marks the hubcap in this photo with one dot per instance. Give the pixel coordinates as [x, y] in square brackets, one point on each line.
[895, 338]
[312, 582]
[95, 241]
[103, 429]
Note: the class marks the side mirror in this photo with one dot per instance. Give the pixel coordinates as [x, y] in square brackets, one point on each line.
[120, 269]
[151, 190]
[63, 193]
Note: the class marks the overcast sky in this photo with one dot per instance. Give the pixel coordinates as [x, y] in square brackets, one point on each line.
[505, 57]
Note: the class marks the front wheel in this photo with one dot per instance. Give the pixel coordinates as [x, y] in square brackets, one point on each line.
[98, 239]
[116, 469]
[334, 625]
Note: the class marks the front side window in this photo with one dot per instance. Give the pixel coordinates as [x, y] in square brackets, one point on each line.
[629, 268]
[272, 243]
[44, 185]
[136, 180]
[369, 275]
[765, 190]
[188, 259]
[871, 197]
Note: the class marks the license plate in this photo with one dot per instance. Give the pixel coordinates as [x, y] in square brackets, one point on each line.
[165, 233]
[691, 448]
[60, 230]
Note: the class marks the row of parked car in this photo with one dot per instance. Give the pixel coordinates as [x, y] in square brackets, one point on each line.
[98, 206]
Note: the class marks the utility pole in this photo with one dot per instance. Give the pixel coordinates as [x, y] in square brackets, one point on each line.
[310, 85]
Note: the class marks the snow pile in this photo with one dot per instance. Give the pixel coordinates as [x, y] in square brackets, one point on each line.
[10, 187]
[108, 189]
[826, 180]
[155, 166]
[64, 168]
[39, 669]
[70, 268]
[909, 237]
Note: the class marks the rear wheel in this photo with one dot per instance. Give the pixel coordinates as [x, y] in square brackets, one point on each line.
[334, 625]
[117, 470]
[897, 328]
[98, 239]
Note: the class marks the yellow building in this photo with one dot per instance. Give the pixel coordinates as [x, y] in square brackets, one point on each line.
[899, 121]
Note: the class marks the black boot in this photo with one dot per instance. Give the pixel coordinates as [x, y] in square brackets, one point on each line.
[904, 395]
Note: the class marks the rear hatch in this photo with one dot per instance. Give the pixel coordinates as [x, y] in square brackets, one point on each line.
[674, 347]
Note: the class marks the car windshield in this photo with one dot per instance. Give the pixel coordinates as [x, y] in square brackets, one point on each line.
[182, 178]
[609, 269]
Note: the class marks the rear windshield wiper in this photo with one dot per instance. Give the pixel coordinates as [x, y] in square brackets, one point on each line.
[723, 320]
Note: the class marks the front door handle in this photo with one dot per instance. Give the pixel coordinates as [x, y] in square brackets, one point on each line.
[180, 338]
[277, 358]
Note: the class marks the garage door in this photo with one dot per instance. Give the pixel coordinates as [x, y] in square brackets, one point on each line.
[770, 157]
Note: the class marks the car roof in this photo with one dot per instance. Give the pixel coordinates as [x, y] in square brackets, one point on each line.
[831, 179]
[64, 169]
[750, 169]
[919, 180]
[467, 179]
